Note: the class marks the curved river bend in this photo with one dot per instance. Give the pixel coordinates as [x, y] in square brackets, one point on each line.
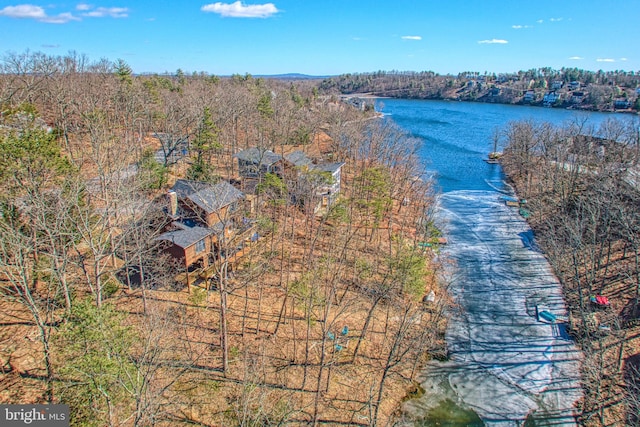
[505, 365]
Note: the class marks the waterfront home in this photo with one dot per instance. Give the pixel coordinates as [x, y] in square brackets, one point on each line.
[316, 185]
[192, 246]
[254, 163]
[311, 185]
[329, 189]
[529, 96]
[621, 104]
[550, 98]
[204, 219]
[577, 97]
[204, 203]
[557, 85]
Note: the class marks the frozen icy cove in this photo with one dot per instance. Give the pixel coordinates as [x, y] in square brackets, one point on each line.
[504, 363]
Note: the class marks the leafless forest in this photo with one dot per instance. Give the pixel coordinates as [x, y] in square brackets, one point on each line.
[319, 320]
[581, 186]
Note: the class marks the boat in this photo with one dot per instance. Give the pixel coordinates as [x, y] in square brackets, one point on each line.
[547, 316]
[494, 156]
[524, 213]
[513, 201]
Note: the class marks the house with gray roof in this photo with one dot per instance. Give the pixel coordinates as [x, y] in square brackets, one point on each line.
[254, 162]
[311, 184]
[204, 218]
[206, 203]
[298, 159]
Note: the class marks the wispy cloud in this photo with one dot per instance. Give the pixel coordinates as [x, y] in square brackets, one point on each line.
[540, 21]
[411, 37]
[29, 11]
[605, 60]
[111, 12]
[61, 18]
[51, 46]
[624, 59]
[576, 58]
[239, 10]
[518, 27]
[493, 41]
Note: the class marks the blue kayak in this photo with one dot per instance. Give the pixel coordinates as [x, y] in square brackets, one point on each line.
[549, 317]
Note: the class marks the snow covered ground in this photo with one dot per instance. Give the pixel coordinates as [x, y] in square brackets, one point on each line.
[504, 364]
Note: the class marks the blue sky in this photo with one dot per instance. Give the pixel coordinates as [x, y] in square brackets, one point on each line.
[331, 36]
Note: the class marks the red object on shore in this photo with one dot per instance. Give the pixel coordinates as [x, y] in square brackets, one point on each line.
[600, 300]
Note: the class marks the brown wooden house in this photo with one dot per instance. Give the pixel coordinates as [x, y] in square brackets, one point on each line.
[203, 216]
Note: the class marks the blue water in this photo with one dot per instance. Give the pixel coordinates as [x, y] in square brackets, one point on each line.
[458, 135]
[504, 365]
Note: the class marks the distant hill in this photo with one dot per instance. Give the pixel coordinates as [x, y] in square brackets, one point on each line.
[293, 76]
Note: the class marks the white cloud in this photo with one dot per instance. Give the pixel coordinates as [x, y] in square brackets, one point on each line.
[493, 41]
[24, 11]
[518, 27]
[239, 10]
[411, 37]
[540, 21]
[113, 12]
[576, 58]
[623, 59]
[605, 60]
[555, 19]
[62, 18]
[29, 11]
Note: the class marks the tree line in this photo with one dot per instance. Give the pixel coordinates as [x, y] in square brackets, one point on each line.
[599, 89]
[580, 183]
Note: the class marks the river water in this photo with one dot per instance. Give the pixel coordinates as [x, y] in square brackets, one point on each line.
[505, 367]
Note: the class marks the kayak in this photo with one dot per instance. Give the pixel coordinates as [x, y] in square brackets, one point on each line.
[548, 316]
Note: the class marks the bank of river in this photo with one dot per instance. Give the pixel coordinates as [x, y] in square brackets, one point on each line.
[505, 367]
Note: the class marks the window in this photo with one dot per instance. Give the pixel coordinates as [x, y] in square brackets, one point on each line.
[200, 246]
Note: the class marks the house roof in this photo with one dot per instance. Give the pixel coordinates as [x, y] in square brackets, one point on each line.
[298, 158]
[258, 156]
[185, 187]
[214, 198]
[209, 198]
[186, 236]
[329, 167]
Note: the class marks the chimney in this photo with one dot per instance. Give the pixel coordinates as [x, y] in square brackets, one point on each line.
[173, 203]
